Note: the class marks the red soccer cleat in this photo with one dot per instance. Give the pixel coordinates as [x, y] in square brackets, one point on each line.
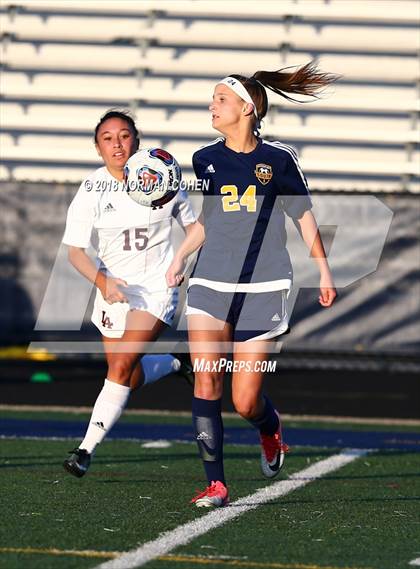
[214, 495]
[273, 450]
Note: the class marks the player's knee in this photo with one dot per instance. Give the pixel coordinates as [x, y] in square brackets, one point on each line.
[246, 407]
[121, 369]
[208, 387]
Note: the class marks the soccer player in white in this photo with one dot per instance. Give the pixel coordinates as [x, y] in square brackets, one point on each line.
[133, 303]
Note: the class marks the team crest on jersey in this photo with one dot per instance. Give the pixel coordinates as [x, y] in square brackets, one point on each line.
[264, 173]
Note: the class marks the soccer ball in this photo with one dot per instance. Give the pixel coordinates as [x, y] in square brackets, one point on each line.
[152, 177]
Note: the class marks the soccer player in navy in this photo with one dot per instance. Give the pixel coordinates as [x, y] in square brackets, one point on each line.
[238, 289]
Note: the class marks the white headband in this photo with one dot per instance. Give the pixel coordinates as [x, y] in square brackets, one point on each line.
[240, 90]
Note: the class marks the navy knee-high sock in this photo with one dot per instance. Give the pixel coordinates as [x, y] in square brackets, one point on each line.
[268, 422]
[208, 425]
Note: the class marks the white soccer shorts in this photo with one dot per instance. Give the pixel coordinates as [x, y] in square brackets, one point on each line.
[110, 319]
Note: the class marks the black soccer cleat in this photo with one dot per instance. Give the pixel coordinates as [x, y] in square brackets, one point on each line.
[78, 462]
[186, 369]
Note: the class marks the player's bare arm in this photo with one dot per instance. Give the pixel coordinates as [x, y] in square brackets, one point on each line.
[312, 238]
[109, 287]
[193, 240]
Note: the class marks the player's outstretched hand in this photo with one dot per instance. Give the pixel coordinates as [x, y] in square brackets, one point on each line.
[327, 291]
[175, 273]
[113, 292]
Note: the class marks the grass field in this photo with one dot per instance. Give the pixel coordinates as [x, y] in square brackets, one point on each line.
[363, 515]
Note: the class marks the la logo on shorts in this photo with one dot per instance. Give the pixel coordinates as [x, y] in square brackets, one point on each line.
[264, 173]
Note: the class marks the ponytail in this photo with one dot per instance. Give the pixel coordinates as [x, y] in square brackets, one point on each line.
[306, 80]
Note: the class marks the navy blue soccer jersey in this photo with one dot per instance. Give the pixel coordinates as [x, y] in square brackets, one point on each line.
[246, 197]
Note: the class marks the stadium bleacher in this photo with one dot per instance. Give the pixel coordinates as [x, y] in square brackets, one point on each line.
[65, 62]
[381, 11]
[213, 33]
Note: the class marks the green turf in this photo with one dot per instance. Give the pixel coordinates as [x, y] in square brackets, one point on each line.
[152, 419]
[135, 492]
[364, 515]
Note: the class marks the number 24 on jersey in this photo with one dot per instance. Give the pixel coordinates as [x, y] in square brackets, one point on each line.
[232, 202]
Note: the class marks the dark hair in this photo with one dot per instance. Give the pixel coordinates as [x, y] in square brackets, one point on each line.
[306, 80]
[125, 116]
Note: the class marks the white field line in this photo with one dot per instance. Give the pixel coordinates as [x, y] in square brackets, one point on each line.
[415, 562]
[182, 535]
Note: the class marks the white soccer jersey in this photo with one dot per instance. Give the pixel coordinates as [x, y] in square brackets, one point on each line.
[134, 241]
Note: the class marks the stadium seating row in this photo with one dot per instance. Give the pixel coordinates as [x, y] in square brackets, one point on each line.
[69, 119]
[403, 11]
[193, 92]
[189, 62]
[246, 35]
[314, 158]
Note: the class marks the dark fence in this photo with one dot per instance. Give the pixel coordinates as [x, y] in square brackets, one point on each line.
[378, 314]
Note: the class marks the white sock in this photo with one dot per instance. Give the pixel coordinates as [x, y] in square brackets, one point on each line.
[157, 366]
[107, 410]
